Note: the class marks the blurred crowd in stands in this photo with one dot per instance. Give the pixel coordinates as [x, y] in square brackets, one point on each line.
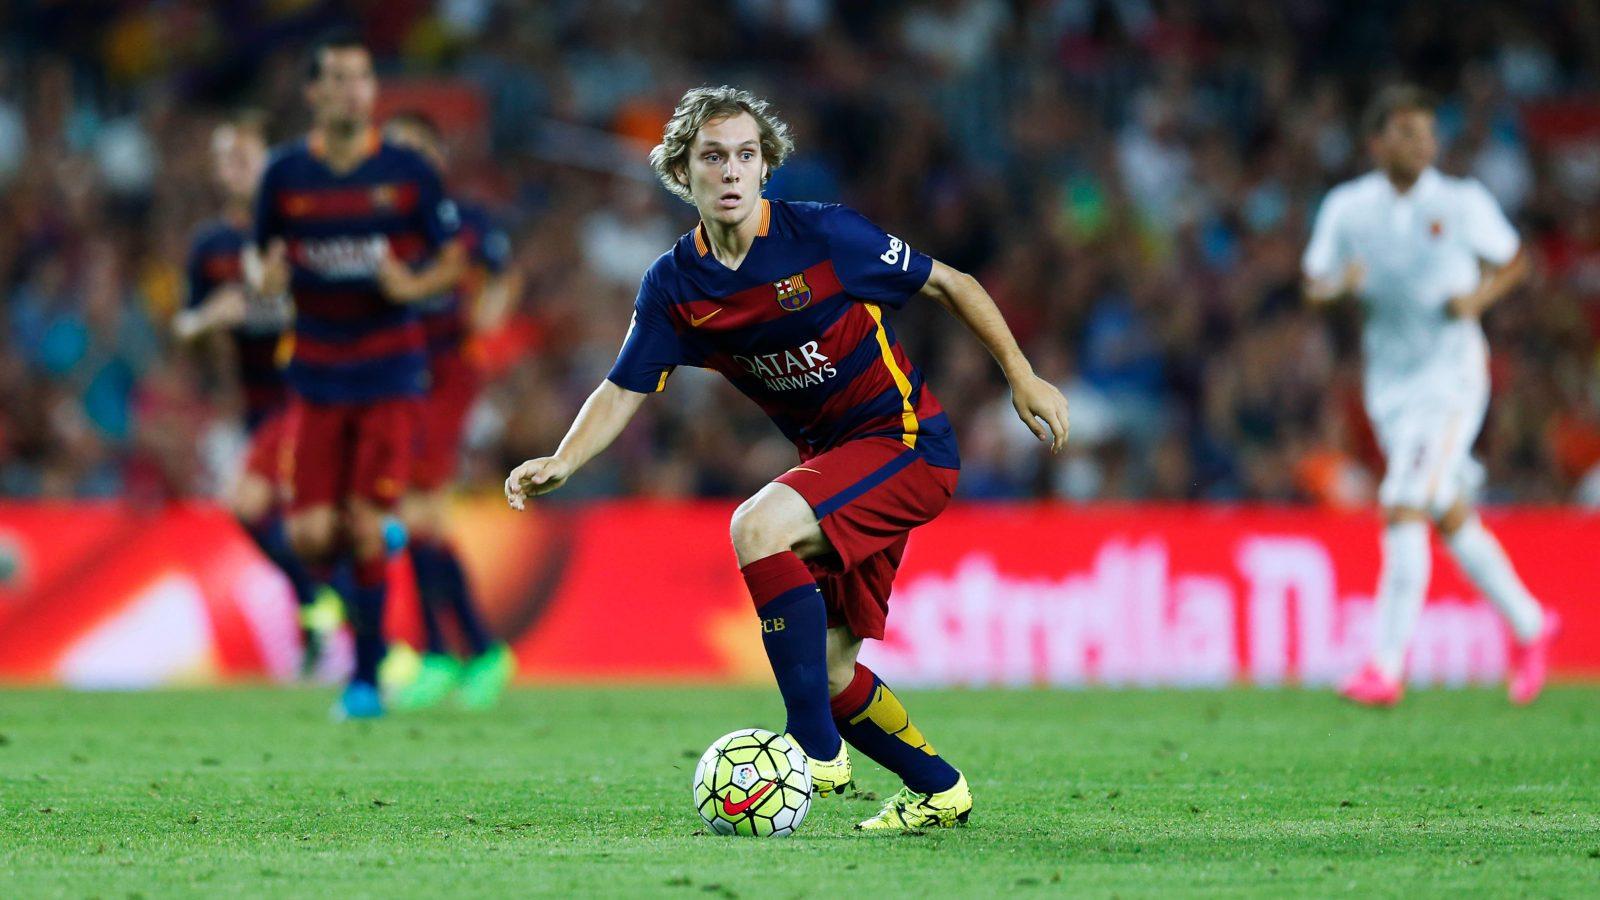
[1131, 179]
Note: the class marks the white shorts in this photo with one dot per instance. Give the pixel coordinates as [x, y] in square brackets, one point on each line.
[1427, 446]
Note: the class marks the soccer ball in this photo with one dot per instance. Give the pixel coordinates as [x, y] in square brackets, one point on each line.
[753, 782]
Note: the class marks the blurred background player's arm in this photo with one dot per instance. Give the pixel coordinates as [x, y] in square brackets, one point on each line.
[1331, 275]
[1038, 402]
[1503, 263]
[402, 284]
[224, 308]
[495, 303]
[603, 416]
[267, 271]
[498, 297]
[1344, 286]
[1496, 283]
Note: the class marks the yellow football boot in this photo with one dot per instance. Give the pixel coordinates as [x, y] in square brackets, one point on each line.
[830, 777]
[909, 810]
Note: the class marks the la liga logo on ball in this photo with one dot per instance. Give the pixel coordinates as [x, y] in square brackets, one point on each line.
[752, 782]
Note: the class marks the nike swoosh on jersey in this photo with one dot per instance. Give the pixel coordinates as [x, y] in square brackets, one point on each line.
[697, 321]
[743, 806]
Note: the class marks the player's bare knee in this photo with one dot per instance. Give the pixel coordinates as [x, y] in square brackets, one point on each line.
[761, 526]
[311, 535]
[1453, 518]
[752, 533]
[423, 515]
[251, 499]
[366, 531]
[776, 519]
[1400, 514]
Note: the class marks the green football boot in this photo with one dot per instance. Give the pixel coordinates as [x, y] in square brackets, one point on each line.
[911, 811]
[829, 777]
[484, 678]
[319, 622]
[437, 677]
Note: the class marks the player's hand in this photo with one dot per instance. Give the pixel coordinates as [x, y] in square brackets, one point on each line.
[187, 324]
[268, 272]
[535, 477]
[229, 304]
[1353, 279]
[396, 279]
[1347, 286]
[1463, 306]
[225, 308]
[1043, 409]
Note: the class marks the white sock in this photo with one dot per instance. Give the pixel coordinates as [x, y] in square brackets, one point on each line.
[1402, 586]
[1485, 562]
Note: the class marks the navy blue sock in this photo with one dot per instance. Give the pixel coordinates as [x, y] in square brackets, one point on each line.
[274, 543]
[432, 631]
[342, 578]
[365, 607]
[874, 721]
[458, 594]
[794, 630]
[425, 567]
[440, 569]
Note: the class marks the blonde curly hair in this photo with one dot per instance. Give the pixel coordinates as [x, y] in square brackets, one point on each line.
[700, 105]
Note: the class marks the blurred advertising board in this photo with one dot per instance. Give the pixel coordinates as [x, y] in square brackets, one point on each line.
[108, 596]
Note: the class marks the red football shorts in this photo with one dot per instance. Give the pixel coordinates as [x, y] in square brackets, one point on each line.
[348, 450]
[444, 419]
[264, 458]
[867, 494]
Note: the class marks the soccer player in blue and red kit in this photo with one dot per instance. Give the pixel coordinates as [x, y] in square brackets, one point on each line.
[479, 302]
[245, 335]
[358, 230]
[787, 301]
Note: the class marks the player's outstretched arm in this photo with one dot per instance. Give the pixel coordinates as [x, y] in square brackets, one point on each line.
[1038, 402]
[223, 308]
[403, 285]
[603, 416]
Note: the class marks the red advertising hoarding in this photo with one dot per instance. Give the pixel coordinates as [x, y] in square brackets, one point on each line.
[1001, 594]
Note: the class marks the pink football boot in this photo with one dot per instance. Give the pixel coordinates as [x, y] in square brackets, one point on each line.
[1531, 661]
[1370, 687]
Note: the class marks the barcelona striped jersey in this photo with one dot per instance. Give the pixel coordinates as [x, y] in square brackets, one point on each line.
[351, 343]
[799, 328]
[216, 260]
[445, 318]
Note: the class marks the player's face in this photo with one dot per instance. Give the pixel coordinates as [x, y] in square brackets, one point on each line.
[345, 89]
[725, 169]
[1407, 143]
[418, 139]
[238, 157]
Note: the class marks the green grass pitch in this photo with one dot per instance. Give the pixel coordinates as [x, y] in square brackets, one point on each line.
[569, 792]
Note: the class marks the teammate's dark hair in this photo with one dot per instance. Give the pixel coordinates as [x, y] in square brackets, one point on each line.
[416, 118]
[336, 39]
[1394, 98]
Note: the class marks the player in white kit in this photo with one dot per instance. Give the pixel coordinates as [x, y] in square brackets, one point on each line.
[1425, 254]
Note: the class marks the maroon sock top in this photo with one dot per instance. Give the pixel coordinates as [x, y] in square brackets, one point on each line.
[856, 694]
[773, 576]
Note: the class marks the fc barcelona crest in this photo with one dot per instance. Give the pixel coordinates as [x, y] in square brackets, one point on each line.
[793, 292]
